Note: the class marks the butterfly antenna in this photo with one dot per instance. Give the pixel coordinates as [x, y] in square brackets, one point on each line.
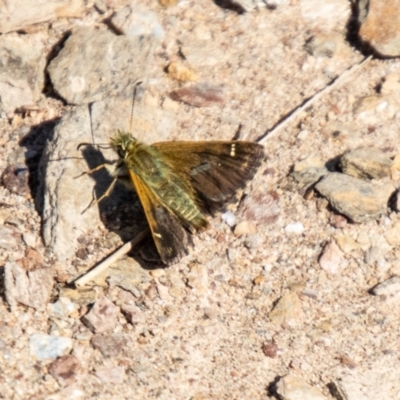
[135, 86]
[90, 105]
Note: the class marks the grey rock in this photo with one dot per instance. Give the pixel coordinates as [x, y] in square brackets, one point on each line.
[366, 163]
[21, 70]
[32, 288]
[112, 64]
[47, 347]
[19, 14]
[357, 199]
[65, 197]
[388, 287]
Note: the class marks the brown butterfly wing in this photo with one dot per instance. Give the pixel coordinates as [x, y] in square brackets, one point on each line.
[217, 169]
[170, 238]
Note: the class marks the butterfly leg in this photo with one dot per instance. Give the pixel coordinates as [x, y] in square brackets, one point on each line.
[98, 168]
[106, 194]
[108, 191]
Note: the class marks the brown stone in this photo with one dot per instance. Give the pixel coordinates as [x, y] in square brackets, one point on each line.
[103, 316]
[201, 95]
[65, 369]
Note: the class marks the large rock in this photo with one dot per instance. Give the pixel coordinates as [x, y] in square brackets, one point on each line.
[94, 65]
[355, 198]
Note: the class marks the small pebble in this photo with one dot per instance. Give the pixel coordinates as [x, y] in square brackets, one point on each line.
[295, 228]
[200, 95]
[287, 310]
[245, 227]
[388, 287]
[346, 243]
[181, 73]
[331, 258]
[110, 345]
[16, 179]
[229, 218]
[270, 349]
[253, 241]
[292, 387]
[103, 316]
[62, 308]
[65, 369]
[115, 375]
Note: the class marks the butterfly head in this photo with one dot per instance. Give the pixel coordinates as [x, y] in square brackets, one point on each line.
[122, 143]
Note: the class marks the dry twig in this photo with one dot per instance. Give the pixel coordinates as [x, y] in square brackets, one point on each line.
[126, 248]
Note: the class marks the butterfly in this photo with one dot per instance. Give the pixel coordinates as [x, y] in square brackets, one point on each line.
[179, 182]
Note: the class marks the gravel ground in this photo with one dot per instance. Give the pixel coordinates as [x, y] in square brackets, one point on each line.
[255, 310]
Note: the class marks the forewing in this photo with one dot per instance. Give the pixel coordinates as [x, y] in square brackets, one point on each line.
[216, 169]
[170, 238]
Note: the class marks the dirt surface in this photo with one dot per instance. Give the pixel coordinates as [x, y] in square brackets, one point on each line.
[254, 303]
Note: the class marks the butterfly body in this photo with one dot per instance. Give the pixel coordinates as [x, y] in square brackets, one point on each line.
[179, 182]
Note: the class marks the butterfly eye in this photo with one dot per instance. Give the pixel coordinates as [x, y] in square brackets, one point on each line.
[121, 153]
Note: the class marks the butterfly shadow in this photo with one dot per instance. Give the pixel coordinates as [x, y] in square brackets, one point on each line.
[120, 211]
